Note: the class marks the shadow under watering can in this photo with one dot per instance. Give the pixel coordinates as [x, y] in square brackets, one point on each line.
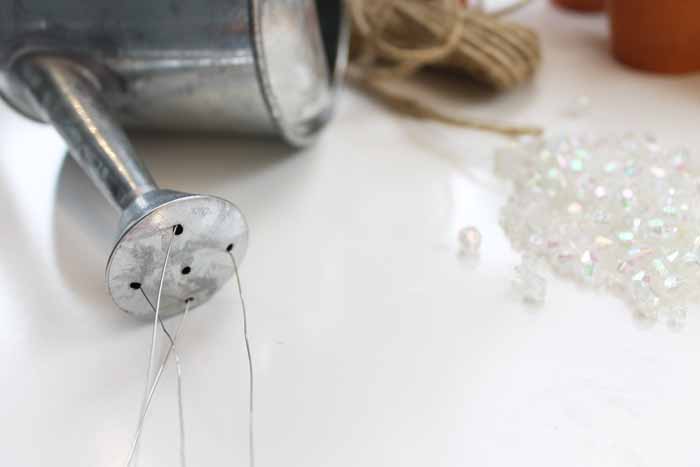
[261, 67]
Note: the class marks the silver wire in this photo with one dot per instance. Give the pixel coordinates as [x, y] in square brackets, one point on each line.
[178, 368]
[251, 443]
[154, 386]
[154, 340]
[180, 410]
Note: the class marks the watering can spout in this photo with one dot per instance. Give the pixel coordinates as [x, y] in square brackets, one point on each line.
[67, 95]
[210, 228]
[90, 69]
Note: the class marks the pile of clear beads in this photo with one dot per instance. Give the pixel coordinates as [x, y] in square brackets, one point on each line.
[615, 212]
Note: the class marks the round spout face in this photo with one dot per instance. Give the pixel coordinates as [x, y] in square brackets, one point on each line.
[205, 231]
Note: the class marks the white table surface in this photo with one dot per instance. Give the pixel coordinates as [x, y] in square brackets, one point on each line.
[374, 343]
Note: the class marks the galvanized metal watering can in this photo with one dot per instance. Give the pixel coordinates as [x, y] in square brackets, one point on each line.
[91, 68]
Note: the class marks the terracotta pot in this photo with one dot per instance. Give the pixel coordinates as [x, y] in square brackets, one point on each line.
[653, 35]
[582, 5]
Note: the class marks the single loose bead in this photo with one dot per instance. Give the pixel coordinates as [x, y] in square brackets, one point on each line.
[470, 240]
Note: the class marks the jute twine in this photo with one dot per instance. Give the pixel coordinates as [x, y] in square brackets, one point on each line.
[397, 38]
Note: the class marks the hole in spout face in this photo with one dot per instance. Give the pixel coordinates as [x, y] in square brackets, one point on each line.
[178, 229]
[135, 285]
[229, 248]
[186, 270]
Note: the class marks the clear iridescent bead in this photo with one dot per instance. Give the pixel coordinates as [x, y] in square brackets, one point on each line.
[621, 212]
[530, 285]
[676, 316]
[469, 240]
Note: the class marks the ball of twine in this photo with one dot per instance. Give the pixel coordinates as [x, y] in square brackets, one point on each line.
[397, 38]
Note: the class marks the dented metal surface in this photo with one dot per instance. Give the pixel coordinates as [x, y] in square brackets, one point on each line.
[199, 264]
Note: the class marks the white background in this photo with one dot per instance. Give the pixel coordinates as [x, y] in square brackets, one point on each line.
[374, 343]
